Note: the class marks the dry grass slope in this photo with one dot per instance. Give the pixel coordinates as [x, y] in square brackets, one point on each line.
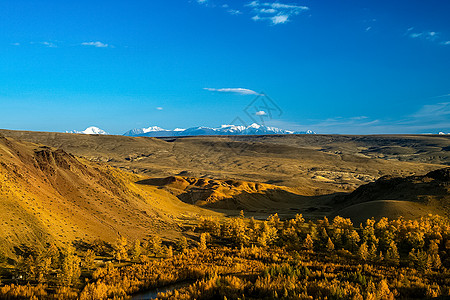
[49, 195]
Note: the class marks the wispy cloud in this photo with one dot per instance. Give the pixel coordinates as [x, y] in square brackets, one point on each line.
[432, 36]
[15, 44]
[435, 111]
[273, 12]
[240, 91]
[49, 44]
[430, 118]
[96, 44]
[159, 108]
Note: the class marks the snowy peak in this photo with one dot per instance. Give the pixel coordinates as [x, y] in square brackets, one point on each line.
[253, 129]
[90, 130]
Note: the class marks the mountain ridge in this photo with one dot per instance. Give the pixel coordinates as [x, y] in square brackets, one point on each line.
[253, 129]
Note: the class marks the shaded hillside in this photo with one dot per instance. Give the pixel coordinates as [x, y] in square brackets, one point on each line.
[312, 165]
[49, 195]
[235, 195]
[411, 196]
[425, 189]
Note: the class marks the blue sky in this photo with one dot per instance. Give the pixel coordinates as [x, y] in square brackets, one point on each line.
[330, 66]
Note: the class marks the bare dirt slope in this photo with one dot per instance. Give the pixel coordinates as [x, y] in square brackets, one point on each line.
[49, 195]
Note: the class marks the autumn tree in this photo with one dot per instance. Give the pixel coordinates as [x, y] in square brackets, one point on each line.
[308, 244]
[89, 259]
[70, 270]
[363, 252]
[155, 245]
[182, 244]
[202, 245]
[121, 249]
[392, 255]
[330, 245]
[372, 252]
[136, 250]
[353, 240]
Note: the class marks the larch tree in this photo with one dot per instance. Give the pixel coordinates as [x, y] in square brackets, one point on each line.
[121, 249]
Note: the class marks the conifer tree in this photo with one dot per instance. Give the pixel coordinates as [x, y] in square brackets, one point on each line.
[70, 270]
[89, 259]
[392, 255]
[121, 249]
[330, 245]
[308, 244]
[182, 244]
[136, 250]
[202, 245]
[363, 252]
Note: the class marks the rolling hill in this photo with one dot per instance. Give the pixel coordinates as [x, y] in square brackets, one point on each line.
[48, 195]
[392, 197]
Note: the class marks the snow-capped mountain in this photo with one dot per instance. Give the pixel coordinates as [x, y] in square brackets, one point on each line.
[90, 130]
[254, 129]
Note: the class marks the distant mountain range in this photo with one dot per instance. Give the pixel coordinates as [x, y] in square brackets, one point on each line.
[89, 130]
[155, 131]
[254, 129]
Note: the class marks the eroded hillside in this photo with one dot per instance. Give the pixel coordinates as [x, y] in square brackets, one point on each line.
[49, 195]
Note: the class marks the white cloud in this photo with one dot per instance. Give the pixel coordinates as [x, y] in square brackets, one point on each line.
[234, 12]
[275, 12]
[159, 108]
[240, 91]
[272, 12]
[432, 36]
[369, 28]
[95, 44]
[267, 11]
[280, 19]
[49, 44]
[415, 35]
[253, 4]
[261, 113]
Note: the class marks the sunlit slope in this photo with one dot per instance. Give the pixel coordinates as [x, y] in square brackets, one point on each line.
[48, 195]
